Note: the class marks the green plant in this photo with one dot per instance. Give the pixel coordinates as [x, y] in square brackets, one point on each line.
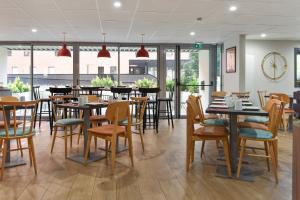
[170, 85]
[145, 83]
[18, 86]
[102, 82]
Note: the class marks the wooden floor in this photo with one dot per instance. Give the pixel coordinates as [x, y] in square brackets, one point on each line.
[158, 174]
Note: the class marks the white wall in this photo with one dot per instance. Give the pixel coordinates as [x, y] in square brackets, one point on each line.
[3, 64]
[234, 82]
[255, 80]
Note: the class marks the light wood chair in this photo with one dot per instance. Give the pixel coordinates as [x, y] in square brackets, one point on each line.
[268, 137]
[11, 123]
[286, 110]
[242, 95]
[63, 120]
[140, 104]
[216, 133]
[115, 112]
[18, 131]
[218, 94]
[262, 98]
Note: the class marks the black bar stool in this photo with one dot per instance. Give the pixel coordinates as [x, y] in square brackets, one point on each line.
[168, 110]
[151, 106]
[42, 101]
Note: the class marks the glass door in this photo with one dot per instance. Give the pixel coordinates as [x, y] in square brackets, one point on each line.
[194, 76]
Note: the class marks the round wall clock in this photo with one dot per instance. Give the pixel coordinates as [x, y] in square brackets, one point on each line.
[274, 66]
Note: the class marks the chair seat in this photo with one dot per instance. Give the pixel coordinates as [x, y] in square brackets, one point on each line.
[68, 121]
[134, 122]
[253, 125]
[255, 133]
[100, 118]
[19, 132]
[215, 122]
[257, 119]
[11, 123]
[107, 130]
[211, 131]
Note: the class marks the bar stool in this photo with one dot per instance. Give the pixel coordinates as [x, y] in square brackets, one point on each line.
[168, 109]
[42, 101]
[151, 106]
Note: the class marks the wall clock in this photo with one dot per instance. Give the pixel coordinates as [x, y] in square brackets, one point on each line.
[274, 66]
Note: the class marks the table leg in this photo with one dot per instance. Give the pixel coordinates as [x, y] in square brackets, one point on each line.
[233, 142]
[86, 121]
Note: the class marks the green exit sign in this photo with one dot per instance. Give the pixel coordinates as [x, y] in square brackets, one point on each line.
[198, 45]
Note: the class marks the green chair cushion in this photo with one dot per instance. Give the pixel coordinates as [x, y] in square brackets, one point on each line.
[19, 132]
[255, 133]
[215, 122]
[125, 122]
[257, 119]
[68, 121]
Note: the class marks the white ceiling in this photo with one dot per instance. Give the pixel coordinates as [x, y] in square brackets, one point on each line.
[166, 21]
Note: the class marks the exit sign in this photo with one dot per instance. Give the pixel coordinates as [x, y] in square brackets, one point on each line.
[198, 45]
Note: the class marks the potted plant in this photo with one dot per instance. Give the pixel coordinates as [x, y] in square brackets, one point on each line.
[145, 83]
[20, 89]
[102, 82]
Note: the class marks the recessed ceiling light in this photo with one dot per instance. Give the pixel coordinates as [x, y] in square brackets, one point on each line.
[232, 8]
[34, 30]
[192, 33]
[263, 35]
[117, 4]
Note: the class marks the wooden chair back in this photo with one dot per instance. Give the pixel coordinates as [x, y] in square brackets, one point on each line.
[191, 114]
[218, 94]
[282, 97]
[262, 98]
[140, 104]
[241, 94]
[118, 111]
[275, 115]
[197, 106]
[92, 98]
[9, 98]
[10, 108]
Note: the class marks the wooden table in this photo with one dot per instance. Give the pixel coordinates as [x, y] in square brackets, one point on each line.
[86, 124]
[233, 129]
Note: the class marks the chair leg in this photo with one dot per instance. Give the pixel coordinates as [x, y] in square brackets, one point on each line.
[53, 139]
[267, 154]
[113, 153]
[106, 150]
[19, 145]
[227, 157]
[49, 115]
[40, 117]
[1, 143]
[86, 153]
[3, 158]
[168, 116]
[95, 145]
[243, 142]
[71, 136]
[193, 151]
[275, 143]
[188, 154]
[66, 142]
[130, 148]
[171, 114]
[32, 154]
[273, 159]
[202, 148]
[141, 136]
[35, 118]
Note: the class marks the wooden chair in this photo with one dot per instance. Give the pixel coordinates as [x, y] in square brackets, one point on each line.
[262, 98]
[116, 112]
[216, 133]
[19, 131]
[287, 111]
[140, 104]
[242, 95]
[269, 137]
[11, 123]
[63, 120]
[218, 94]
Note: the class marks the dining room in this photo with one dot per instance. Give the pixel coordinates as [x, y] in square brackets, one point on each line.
[116, 99]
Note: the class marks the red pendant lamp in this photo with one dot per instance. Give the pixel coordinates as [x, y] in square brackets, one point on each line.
[64, 51]
[142, 52]
[103, 53]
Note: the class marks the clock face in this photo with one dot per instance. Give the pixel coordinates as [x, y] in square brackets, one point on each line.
[274, 66]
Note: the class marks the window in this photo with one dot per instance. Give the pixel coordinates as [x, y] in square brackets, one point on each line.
[113, 70]
[26, 53]
[8, 52]
[100, 70]
[297, 67]
[51, 70]
[15, 70]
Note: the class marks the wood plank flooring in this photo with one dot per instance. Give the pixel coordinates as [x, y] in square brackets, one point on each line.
[158, 174]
